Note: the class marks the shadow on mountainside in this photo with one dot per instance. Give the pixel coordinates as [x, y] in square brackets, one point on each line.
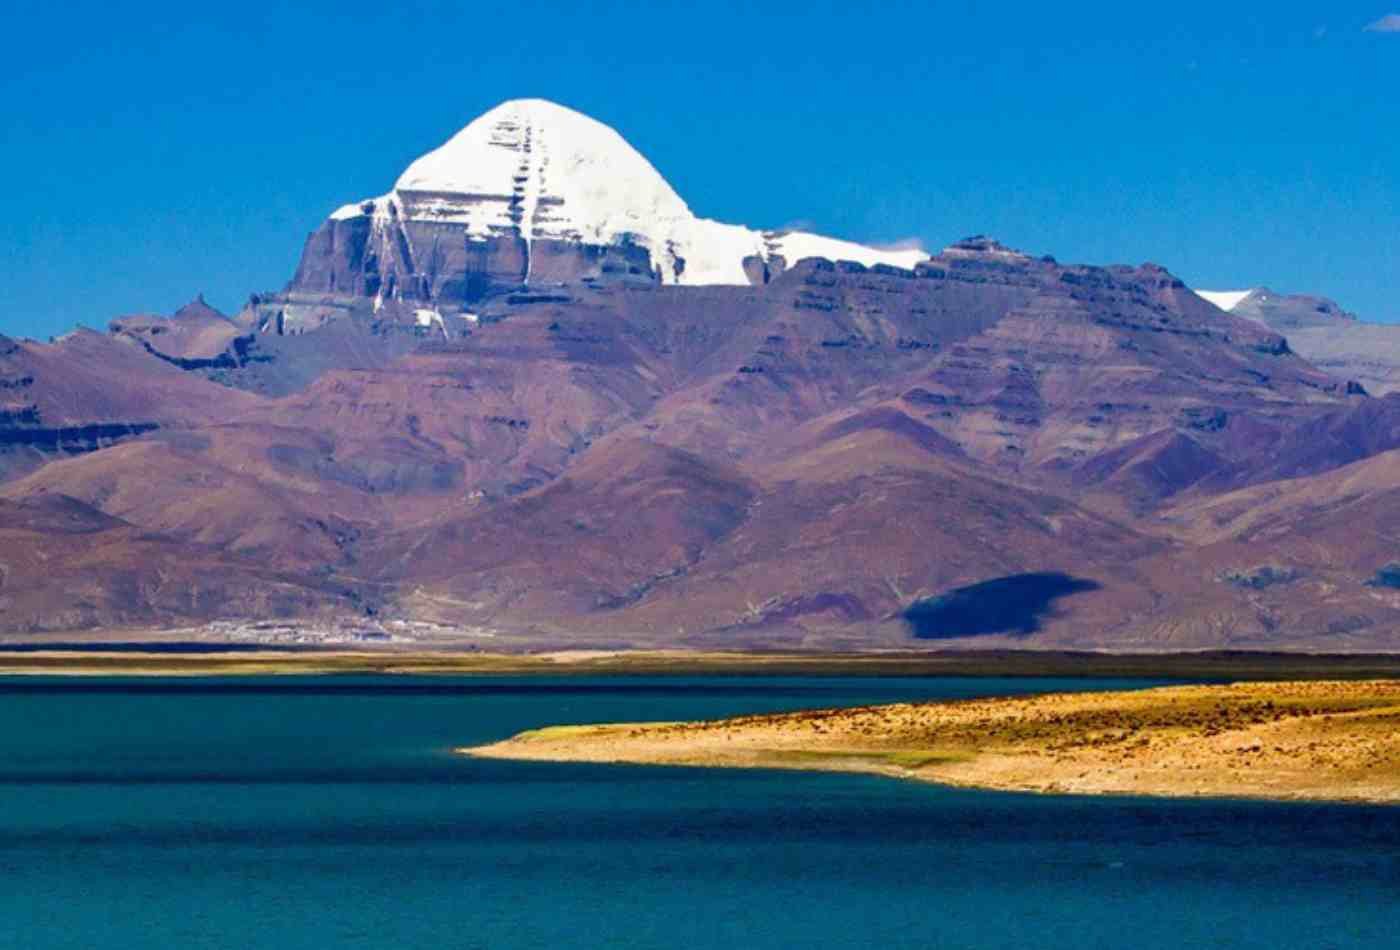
[1014, 604]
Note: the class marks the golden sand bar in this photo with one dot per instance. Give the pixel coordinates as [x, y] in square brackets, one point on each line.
[1328, 740]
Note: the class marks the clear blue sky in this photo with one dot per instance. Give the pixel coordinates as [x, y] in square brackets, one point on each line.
[155, 150]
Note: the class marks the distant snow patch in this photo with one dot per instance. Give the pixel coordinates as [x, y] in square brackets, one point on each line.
[1226, 300]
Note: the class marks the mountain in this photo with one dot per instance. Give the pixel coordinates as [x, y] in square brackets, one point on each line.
[528, 393]
[1282, 312]
[1322, 332]
[529, 196]
[193, 334]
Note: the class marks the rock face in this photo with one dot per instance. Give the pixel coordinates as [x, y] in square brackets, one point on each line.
[529, 391]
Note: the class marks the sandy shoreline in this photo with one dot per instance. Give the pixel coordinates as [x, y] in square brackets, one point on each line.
[1321, 741]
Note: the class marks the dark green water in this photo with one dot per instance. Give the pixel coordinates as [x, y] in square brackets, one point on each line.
[322, 813]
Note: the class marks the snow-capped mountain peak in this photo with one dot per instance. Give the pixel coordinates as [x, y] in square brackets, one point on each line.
[538, 170]
[546, 170]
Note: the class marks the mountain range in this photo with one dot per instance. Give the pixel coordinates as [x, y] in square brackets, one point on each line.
[528, 395]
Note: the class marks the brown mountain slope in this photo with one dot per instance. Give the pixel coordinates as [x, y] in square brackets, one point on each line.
[497, 412]
[629, 515]
[827, 546]
[242, 489]
[86, 378]
[64, 566]
[1307, 559]
[86, 391]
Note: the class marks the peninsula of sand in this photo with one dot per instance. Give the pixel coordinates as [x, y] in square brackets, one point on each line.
[1315, 740]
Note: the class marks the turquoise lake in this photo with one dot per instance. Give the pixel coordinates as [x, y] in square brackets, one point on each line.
[331, 812]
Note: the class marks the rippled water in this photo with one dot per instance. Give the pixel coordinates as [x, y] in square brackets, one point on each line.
[331, 812]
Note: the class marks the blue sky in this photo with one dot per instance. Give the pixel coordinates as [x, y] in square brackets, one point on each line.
[156, 150]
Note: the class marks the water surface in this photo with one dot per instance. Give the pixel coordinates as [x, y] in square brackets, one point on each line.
[331, 812]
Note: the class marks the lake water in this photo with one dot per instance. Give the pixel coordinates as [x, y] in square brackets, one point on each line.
[331, 812]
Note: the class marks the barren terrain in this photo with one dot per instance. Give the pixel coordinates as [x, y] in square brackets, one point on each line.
[1326, 740]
